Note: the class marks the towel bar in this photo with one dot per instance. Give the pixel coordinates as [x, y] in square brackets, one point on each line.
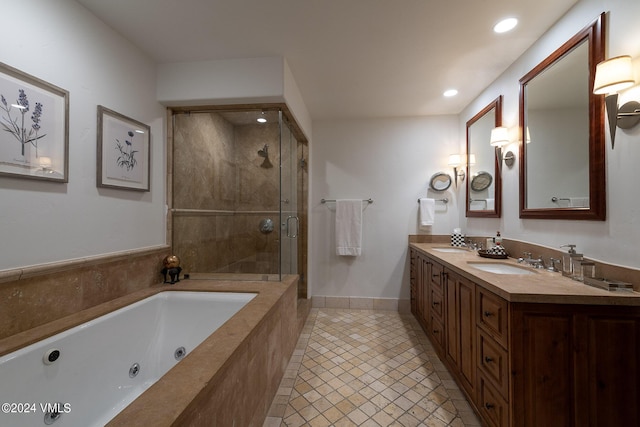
[369, 200]
[445, 200]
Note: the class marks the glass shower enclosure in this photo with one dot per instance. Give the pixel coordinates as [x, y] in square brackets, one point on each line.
[234, 194]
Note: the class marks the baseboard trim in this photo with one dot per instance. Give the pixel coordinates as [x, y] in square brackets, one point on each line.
[361, 303]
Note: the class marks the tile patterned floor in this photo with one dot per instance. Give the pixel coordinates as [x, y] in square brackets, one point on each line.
[366, 368]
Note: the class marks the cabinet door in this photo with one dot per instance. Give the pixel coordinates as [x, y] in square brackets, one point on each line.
[419, 287]
[466, 320]
[412, 281]
[609, 391]
[461, 328]
[542, 368]
[424, 292]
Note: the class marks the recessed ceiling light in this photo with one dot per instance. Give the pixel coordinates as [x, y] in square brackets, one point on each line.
[505, 25]
[450, 93]
[261, 120]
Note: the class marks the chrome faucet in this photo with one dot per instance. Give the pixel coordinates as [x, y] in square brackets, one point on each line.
[529, 260]
[552, 264]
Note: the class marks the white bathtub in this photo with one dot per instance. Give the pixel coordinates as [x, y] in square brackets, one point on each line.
[91, 378]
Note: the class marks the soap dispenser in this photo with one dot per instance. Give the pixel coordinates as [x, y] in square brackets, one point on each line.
[569, 259]
[498, 239]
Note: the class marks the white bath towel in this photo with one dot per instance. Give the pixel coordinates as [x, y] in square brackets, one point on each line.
[579, 202]
[427, 212]
[349, 227]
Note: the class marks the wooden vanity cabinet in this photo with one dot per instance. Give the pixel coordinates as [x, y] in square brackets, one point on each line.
[427, 301]
[532, 364]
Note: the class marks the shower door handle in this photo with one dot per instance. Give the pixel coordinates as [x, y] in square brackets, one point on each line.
[289, 218]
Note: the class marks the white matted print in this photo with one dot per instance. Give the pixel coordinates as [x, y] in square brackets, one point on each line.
[34, 127]
[123, 151]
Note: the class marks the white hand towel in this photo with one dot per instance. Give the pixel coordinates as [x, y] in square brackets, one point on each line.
[349, 227]
[427, 212]
[491, 204]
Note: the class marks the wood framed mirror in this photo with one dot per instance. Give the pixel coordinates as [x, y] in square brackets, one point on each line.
[484, 185]
[562, 148]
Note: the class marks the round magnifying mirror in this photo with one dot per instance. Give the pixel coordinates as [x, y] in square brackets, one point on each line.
[481, 181]
[440, 181]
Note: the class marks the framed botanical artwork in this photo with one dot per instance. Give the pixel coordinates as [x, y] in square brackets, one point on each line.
[123, 151]
[34, 125]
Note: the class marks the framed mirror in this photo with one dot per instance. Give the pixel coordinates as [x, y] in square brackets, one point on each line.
[562, 149]
[440, 181]
[484, 186]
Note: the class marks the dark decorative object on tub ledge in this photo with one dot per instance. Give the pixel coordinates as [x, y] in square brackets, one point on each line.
[172, 268]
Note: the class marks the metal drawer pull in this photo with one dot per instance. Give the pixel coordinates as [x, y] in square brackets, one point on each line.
[435, 303]
[488, 314]
[488, 359]
[489, 405]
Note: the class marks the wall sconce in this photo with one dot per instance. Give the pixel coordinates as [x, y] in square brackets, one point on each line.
[612, 76]
[455, 160]
[45, 164]
[500, 138]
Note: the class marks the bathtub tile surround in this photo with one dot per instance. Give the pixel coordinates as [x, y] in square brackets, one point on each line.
[33, 296]
[230, 379]
[366, 368]
[101, 353]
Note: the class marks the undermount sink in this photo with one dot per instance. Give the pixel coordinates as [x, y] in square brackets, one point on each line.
[500, 268]
[451, 250]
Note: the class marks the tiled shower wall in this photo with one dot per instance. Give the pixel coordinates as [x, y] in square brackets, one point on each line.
[222, 189]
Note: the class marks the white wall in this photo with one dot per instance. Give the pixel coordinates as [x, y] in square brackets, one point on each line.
[616, 239]
[391, 161]
[233, 81]
[62, 43]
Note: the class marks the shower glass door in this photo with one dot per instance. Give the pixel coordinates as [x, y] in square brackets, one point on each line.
[226, 197]
[289, 220]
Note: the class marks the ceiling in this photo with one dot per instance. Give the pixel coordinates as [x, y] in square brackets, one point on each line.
[350, 58]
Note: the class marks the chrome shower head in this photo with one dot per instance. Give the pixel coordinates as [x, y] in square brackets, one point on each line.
[264, 152]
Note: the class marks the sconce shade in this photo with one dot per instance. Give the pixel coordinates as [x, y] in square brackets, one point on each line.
[45, 162]
[455, 160]
[499, 136]
[613, 75]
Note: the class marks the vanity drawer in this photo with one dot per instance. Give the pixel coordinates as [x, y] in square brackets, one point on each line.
[493, 362]
[493, 315]
[493, 408]
[436, 304]
[436, 278]
[437, 333]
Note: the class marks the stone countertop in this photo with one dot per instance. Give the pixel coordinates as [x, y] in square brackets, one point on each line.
[540, 287]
